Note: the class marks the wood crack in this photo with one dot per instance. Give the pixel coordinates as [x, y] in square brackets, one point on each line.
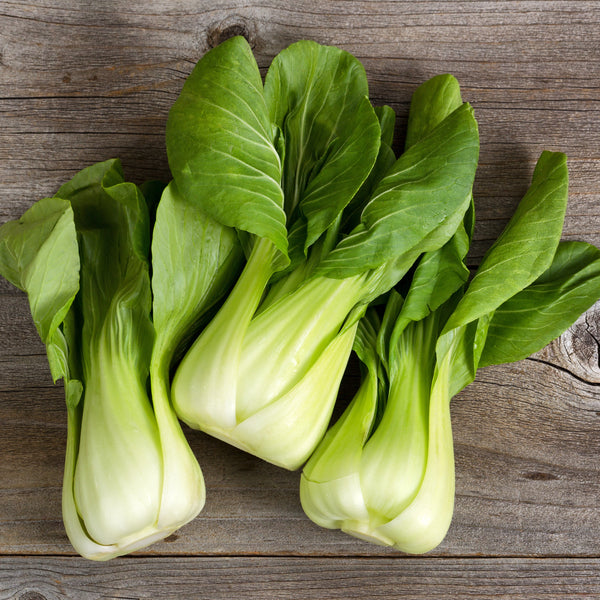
[591, 332]
[564, 370]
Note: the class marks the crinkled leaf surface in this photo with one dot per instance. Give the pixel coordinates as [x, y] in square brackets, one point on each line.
[318, 97]
[222, 147]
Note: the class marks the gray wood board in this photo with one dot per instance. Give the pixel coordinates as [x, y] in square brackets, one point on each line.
[293, 578]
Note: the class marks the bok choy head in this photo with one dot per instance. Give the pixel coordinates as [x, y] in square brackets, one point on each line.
[302, 168]
[82, 257]
[385, 471]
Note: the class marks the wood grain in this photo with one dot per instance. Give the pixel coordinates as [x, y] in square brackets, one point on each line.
[85, 81]
[293, 578]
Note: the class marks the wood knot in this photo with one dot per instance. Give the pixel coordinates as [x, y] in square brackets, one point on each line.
[230, 27]
[577, 350]
[32, 596]
[580, 345]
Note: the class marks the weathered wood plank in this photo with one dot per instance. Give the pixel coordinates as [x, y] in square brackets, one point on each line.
[292, 578]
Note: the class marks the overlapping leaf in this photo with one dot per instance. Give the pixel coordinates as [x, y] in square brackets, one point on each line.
[318, 97]
[39, 255]
[542, 311]
[527, 245]
[429, 184]
[221, 144]
[195, 260]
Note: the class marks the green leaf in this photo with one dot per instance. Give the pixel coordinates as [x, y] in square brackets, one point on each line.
[39, 254]
[112, 224]
[221, 144]
[366, 341]
[431, 103]
[195, 260]
[318, 97]
[440, 272]
[429, 185]
[438, 275]
[542, 311]
[385, 159]
[393, 308]
[458, 353]
[387, 123]
[525, 248]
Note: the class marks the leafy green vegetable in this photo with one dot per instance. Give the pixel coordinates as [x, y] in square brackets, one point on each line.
[318, 99]
[519, 256]
[525, 248]
[264, 373]
[440, 166]
[220, 126]
[110, 338]
[385, 471]
[535, 316]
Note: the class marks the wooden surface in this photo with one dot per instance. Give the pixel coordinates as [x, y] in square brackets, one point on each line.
[85, 81]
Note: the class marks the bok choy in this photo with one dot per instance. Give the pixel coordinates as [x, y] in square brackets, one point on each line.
[385, 471]
[302, 168]
[82, 257]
